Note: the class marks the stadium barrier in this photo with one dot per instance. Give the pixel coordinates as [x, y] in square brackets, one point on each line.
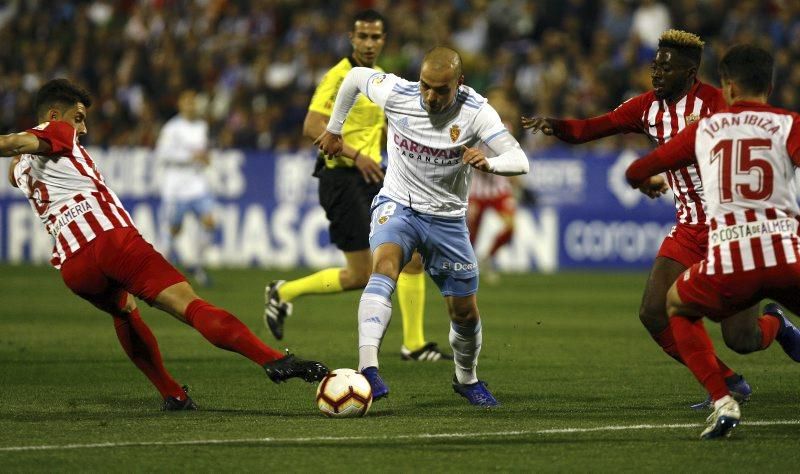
[585, 216]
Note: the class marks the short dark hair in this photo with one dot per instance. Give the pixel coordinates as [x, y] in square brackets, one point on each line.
[61, 93]
[369, 16]
[687, 45]
[749, 66]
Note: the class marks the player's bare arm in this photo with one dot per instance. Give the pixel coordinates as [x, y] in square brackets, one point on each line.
[536, 124]
[11, 167]
[313, 126]
[21, 143]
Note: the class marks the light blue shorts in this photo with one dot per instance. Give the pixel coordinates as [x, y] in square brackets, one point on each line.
[443, 243]
[174, 211]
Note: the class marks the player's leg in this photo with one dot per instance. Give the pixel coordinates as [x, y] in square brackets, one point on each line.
[396, 232]
[346, 200]
[749, 331]
[203, 208]
[411, 300]
[475, 212]
[84, 278]
[170, 226]
[451, 262]
[687, 301]
[684, 246]
[127, 258]
[506, 209]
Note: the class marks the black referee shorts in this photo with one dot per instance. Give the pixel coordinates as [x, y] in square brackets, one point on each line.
[346, 198]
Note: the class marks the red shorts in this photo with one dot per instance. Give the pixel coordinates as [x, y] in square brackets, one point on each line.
[115, 263]
[720, 296]
[504, 204]
[686, 244]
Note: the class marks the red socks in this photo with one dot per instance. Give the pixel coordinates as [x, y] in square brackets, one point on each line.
[697, 352]
[225, 331]
[142, 348]
[666, 340]
[770, 325]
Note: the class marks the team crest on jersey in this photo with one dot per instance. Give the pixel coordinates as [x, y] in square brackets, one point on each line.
[455, 132]
[690, 119]
[383, 220]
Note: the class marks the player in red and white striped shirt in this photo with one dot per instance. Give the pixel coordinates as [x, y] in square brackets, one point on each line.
[678, 99]
[491, 191]
[101, 255]
[747, 155]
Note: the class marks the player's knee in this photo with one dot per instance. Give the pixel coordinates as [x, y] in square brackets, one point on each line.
[464, 313]
[742, 342]
[653, 317]
[387, 267]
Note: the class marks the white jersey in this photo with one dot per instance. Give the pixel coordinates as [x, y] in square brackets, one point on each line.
[425, 170]
[67, 192]
[748, 172]
[178, 142]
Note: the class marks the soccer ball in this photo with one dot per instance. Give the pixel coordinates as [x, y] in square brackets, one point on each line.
[344, 393]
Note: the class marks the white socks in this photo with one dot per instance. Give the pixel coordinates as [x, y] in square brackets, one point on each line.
[374, 314]
[466, 344]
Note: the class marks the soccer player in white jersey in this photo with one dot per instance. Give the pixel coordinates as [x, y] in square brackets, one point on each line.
[747, 156]
[434, 125]
[103, 258]
[182, 150]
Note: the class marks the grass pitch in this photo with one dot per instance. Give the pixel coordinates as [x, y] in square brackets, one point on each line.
[582, 385]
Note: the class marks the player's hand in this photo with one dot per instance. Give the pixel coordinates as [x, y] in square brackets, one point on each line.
[330, 144]
[654, 187]
[370, 170]
[538, 123]
[475, 158]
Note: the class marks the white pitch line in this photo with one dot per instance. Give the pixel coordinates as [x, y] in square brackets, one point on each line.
[491, 434]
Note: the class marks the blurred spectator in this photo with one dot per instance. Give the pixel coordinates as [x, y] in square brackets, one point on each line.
[255, 63]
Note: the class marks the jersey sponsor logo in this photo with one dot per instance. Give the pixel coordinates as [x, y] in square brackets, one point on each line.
[436, 156]
[70, 215]
[691, 118]
[737, 232]
[455, 132]
[459, 266]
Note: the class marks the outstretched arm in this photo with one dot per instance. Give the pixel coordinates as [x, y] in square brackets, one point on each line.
[20, 143]
[674, 154]
[573, 130]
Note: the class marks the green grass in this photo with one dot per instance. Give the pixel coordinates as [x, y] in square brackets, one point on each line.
[560, 351]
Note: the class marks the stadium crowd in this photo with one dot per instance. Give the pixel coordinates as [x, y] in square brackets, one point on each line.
[255, 63]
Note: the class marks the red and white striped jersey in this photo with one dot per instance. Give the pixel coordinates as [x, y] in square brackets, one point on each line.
[68, 192]
[747, 156]
[489, 186]
[661, 121]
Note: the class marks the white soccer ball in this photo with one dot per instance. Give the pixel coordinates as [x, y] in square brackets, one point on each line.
[344, 393]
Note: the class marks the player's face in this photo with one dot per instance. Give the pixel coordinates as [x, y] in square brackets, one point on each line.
[187, 105]
[367, 39]
[75, 116]
[669, 74]
[438, 87]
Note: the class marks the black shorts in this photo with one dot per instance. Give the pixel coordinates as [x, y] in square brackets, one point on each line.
[346, 198]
